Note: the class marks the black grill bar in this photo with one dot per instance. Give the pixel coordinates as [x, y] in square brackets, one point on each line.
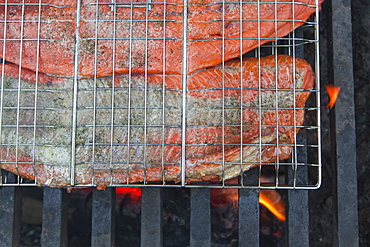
[54, 217]
[151, 217]
[297, 203]
[103, 220]
[297, 209]
[340, 72]
[249, 211]
[298, 218]
[200, 217]
[10, 215]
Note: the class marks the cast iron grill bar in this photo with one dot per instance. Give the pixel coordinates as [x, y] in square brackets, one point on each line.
[10, 215]
[340, 72]
[249, 211]
[54, 217]
[249, 215]
[151, 217]
[200, 217]
[103, 217]
[297, 202]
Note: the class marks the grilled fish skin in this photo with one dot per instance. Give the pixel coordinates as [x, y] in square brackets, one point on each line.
[128, 128]
[150, 43]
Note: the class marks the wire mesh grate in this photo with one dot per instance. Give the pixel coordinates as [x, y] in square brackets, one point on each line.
[193, 93]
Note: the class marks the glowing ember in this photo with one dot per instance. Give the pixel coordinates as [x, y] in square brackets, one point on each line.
[271, 199]
[220, 197]
[333, 94]
[132, 192]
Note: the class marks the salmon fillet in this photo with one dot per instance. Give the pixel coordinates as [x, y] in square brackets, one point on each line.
[132, 131]
[152, 42]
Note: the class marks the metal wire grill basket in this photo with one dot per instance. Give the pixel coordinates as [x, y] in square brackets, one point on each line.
[119, 93]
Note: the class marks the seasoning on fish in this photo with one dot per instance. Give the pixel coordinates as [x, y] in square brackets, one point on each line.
[139, 137]
[152, 40]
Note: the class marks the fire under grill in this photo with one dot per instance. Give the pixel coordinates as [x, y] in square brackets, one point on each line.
[164, 95]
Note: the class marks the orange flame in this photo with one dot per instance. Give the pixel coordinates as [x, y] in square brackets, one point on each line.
[271, 199]
[333, 94]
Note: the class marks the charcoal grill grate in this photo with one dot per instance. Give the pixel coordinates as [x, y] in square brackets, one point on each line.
[77, 113]
[345, 225]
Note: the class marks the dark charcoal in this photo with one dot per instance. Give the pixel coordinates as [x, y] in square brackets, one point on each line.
[30, 235]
